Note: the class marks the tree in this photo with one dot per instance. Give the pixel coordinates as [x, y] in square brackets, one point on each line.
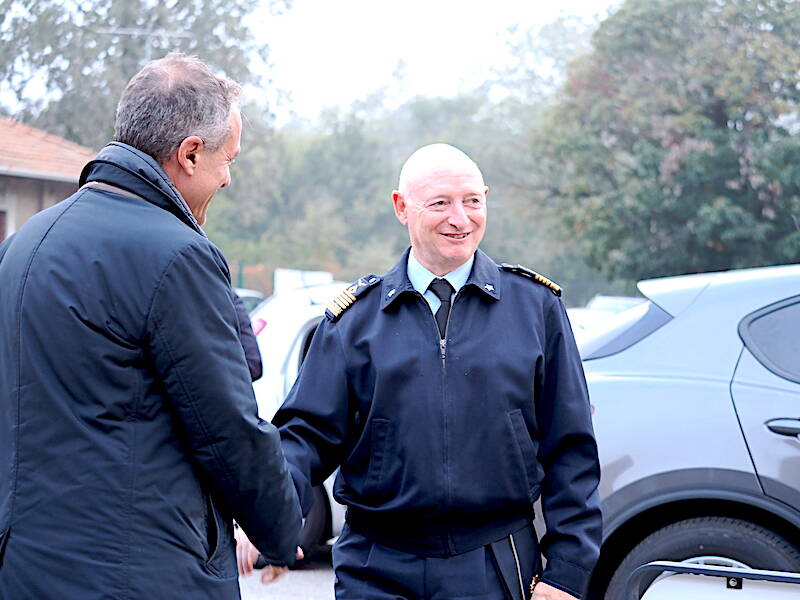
[83, 52]
[673, 145]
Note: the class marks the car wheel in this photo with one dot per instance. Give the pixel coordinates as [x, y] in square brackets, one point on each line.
[316, 524]
[707, 540]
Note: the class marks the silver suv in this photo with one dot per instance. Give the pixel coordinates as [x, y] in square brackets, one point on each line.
[696, 399]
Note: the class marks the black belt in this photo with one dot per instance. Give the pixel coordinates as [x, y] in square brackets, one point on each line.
[433, 540]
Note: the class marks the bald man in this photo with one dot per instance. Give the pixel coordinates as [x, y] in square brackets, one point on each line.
[450, 394]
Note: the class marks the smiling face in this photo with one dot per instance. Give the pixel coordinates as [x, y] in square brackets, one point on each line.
[213, 172]
[443, 204]
[199, 172]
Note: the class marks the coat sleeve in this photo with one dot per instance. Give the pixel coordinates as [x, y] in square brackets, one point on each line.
[568, 455]
[195, 347]
[315, 418]
[248, 339]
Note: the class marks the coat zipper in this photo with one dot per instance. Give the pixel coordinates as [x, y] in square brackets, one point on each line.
[519, 571]
[443, 349]
[443, 354]
[443, 340]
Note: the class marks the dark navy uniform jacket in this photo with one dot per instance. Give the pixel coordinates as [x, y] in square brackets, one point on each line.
[129, 435]
[444, 447]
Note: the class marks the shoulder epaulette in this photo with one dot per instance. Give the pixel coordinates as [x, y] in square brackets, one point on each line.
[349, 295]
[526, 272]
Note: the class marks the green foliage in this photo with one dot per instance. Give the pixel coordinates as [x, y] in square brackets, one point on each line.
[325, 190]
[83, 52]
[321, 199]
[673, 145]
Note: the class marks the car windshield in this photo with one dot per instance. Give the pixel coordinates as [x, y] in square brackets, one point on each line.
[622, 331]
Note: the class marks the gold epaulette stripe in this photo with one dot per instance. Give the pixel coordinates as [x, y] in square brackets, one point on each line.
[341, 303]
[525, 272]
[349, 295]
[545, 281]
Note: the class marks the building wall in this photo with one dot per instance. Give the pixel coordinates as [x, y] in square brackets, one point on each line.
[21, 198]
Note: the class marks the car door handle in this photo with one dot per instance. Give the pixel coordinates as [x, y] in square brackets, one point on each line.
[790, 427]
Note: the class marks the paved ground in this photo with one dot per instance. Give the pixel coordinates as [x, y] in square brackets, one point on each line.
[311, 582]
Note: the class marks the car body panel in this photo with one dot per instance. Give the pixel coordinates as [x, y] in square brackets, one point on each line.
[674, 294]
[657, 438]
[664, 489]
[760, 396]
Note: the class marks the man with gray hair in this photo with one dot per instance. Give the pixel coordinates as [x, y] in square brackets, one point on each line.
[129, 435]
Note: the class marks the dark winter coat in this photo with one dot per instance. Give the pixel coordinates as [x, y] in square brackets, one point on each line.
[445, 445]
[252, 354]
[129, 437]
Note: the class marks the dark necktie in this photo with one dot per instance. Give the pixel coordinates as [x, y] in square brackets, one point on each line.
[443, 291]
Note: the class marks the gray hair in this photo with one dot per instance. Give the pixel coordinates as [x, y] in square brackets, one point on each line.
[171, 99]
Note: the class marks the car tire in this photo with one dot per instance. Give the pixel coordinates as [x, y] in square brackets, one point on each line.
[733, 540]
[316, 524]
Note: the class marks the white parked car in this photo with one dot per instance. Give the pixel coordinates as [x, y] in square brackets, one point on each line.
[695, 394]
[250, 298]
[599, 313]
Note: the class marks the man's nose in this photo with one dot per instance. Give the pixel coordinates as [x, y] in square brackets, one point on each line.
[227, 181]
[457, 216]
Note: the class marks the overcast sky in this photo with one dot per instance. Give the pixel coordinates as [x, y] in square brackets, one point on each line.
[333, 52]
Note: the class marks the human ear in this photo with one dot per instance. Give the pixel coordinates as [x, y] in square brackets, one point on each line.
[188, 153]
[400, 207]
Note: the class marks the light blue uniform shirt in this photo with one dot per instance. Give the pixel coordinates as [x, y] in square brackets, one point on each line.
[420, 277]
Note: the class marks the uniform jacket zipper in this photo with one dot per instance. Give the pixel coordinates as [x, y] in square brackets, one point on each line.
[443, 354]
[443, 340]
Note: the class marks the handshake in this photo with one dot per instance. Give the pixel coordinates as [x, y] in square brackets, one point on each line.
[247, 555]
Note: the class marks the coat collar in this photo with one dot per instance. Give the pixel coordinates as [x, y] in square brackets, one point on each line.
[484, 278]
[126, 167]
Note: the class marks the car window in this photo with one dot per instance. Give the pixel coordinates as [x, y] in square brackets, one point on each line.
[772, 334]
[626, 328]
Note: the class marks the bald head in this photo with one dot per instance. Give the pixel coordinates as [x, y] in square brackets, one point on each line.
[426, 161]
[441, 199]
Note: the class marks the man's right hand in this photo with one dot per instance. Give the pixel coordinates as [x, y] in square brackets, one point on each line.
[247, 555]
[542, 591]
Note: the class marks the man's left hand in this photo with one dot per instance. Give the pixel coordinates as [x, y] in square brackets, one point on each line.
[542, 591]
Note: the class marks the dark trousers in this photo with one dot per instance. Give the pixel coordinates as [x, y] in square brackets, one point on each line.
[366, 570]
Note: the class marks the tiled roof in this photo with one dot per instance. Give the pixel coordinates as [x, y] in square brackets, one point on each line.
[29, 152]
